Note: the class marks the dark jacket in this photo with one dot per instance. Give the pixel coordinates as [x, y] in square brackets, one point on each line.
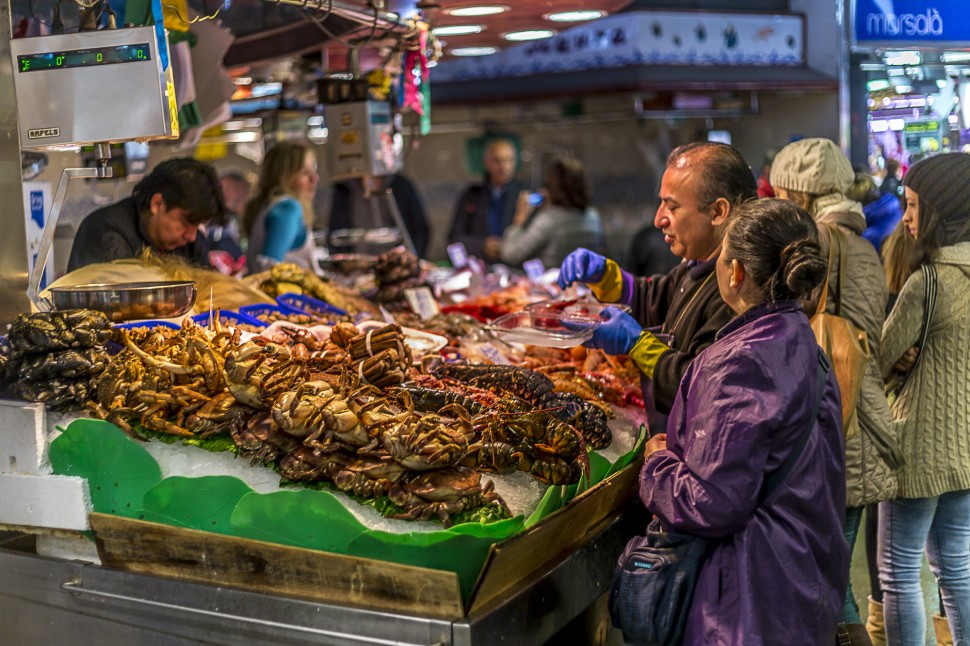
[777, 571]
[116, 231]
[349, 210]
[882, 216]
[687, 303]
[469, 225]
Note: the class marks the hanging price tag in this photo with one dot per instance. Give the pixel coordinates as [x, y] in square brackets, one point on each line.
[458, 255]
[534, 269]
[422, 302]
[388, 317]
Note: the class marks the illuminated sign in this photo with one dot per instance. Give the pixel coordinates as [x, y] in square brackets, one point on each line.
[911, 20]
[84, 57]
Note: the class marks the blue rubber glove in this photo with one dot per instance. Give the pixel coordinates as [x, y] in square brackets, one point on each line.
[583, 266]
[617, 334]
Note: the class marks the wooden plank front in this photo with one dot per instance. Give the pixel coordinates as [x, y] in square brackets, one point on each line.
[205, 557]
[516, 559]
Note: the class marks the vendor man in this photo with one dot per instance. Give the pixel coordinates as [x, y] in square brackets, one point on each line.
[701, 186]
[164, 213]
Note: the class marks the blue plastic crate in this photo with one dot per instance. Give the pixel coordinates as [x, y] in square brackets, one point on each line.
[264, 309]
[230, 318]
[310, 305]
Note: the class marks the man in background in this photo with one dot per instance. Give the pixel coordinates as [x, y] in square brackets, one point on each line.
[485, 210]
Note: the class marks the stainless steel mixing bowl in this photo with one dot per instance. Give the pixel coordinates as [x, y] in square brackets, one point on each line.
[128, 301]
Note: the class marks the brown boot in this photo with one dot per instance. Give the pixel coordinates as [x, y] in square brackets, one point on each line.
[942, 628]
[875, 624]
[852, 635]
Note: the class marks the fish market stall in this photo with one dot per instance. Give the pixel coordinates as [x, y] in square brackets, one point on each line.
[312, 476]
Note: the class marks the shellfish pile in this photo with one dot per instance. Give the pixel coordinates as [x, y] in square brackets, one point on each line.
[54, 357]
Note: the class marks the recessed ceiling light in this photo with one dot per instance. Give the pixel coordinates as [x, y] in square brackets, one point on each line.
[472, 51]
[483, 10]
[529, 34]
[457, 30]
[575, 16]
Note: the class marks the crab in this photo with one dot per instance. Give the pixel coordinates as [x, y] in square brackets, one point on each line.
[261, 440]
[442, 493]
[424, 441]
[309, 463]
[258, 371]
[369, 477]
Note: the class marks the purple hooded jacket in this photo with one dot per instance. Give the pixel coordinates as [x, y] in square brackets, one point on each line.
[777, 573]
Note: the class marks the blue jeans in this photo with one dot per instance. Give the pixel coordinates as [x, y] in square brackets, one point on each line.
[942, 525]
[853, 519]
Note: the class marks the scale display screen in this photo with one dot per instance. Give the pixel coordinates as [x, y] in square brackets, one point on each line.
[84, 57]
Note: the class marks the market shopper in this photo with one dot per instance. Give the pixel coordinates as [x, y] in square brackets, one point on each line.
[882, 210]
[278, 221]
[815, 175]
[225, 240]
[776, 568]
[164, 212]
[932, 407]
[701, 186]
[564, 220]
[485, 210]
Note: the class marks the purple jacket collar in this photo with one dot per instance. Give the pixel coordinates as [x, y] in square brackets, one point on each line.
[757, 312]
[700, 268]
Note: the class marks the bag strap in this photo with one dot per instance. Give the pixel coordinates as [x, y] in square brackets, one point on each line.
[825, 285]
[930, 288]
[775, 479]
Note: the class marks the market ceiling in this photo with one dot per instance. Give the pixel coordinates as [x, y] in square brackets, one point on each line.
[266, 31]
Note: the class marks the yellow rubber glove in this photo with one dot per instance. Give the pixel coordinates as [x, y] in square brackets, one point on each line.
[647, 351]
[609, 288]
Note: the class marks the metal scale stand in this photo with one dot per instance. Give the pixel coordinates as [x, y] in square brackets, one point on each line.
[77, 89]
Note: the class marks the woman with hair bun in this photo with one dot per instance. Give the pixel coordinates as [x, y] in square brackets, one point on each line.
[777, 568]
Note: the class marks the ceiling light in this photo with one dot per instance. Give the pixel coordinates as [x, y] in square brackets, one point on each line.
[575, 16]
[472, 51]
[243, 80]
[457, 30]
[529, 34]
[877, 85]
[956, 57]
[483, 10]
[902, 58]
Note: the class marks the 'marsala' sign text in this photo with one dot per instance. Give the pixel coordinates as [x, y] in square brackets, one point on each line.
[911, 20]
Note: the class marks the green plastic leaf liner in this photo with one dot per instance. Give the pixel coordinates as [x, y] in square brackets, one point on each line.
[119, 471]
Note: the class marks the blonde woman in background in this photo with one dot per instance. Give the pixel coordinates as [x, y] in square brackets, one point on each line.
[279, 219]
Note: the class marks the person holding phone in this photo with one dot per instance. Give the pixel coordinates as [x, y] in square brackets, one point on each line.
[551, 222]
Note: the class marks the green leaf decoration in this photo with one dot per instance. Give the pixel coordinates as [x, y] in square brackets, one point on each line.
[551, 501]
[630, 456]
[118, 470]
[311, 519]
[205, 503]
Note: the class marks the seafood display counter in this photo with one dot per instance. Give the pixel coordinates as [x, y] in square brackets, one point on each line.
[329, 480]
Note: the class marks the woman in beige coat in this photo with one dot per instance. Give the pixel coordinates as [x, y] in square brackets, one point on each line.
[814, 174]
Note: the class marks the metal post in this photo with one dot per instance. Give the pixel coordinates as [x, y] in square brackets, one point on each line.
[13, 243]
[399, 220]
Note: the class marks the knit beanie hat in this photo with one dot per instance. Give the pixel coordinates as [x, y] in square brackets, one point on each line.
[943, 185]
[814, 166]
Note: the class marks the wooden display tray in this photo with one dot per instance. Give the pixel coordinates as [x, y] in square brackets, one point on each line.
[269, 568]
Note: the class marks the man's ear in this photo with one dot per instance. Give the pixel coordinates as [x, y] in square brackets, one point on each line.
[720, 210]
[156, 205]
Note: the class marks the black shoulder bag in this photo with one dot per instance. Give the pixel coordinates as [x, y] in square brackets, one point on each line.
[653, 584]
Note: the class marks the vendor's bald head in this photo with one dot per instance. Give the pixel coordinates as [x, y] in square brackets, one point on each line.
[175, 198]
[501, 159]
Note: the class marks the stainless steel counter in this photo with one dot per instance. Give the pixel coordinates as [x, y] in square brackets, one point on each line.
[46, 601]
